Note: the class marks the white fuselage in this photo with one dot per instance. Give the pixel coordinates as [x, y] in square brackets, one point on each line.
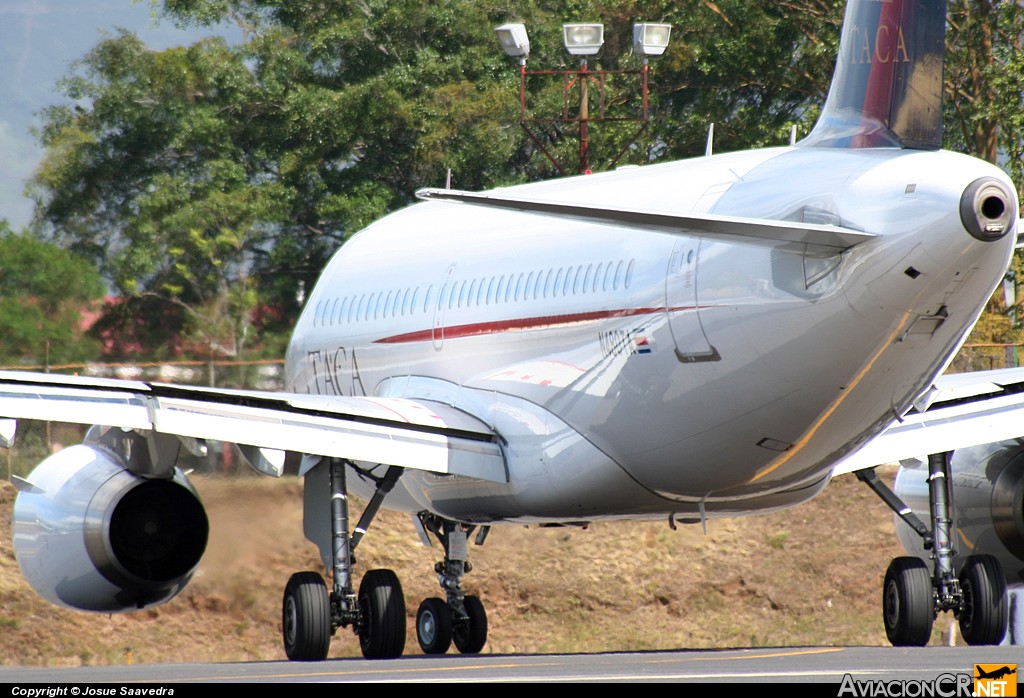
[638, 373]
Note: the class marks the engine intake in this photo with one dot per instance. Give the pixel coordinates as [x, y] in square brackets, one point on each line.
[92, 535]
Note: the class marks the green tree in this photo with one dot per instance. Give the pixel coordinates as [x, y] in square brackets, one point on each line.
[148, 174]
[44, 291]
[426, 88]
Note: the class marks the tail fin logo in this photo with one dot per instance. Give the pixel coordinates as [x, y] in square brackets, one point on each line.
[887, 45]
[887, 88]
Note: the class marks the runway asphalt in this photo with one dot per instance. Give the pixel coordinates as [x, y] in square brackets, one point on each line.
[829, 665]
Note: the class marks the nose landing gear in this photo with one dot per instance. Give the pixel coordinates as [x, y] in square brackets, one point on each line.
[460, 619]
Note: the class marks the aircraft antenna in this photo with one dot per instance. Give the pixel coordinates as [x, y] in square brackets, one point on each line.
[792, 134]
[711, 138]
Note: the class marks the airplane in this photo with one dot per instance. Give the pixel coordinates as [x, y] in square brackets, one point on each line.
[681, 341]
[996, 674]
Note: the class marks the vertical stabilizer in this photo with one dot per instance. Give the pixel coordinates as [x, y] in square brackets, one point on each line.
[887, 87]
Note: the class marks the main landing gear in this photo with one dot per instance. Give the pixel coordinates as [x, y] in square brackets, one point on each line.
[311, 615]
[458, 618]
[913, 595]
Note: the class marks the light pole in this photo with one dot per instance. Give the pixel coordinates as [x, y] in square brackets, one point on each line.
[583, 41]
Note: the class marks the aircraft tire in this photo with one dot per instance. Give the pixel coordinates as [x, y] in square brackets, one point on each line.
[985, 613]
[382, 632]
[908, 603]
[306, 618]
[434, 626]
[470, 635]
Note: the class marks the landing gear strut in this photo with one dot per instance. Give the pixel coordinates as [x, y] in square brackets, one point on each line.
[912, 595]
[311, 615]
[460, 619]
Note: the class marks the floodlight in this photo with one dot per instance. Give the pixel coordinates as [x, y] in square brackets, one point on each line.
[514, 40]
[583, 39]
[651, 39]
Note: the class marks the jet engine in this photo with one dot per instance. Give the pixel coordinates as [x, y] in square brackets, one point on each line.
[988, 496]
[90, 534]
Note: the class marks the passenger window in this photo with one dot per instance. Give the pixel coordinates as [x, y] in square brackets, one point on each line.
[316, 315]
[577, 279]
[490, 290]
[618, 276]
[586, 278]
[472, 293]
[607, 276]
[568, 282]
[558, 282]
[480, 292]
[629, 272]
[519, 287]
[362, 306]
[428, 297]
[378, 308]
[526, 289]
[547, 282]
[597, 276]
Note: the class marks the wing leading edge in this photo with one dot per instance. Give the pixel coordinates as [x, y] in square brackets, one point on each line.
[417, 434]
[960, 410]
[729, 228]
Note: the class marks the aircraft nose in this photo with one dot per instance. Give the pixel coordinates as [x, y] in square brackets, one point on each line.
[987, 209]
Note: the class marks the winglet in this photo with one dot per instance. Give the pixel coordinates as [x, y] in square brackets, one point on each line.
[887, 86]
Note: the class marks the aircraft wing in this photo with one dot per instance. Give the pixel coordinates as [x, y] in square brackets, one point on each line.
[704, 225]
[960, 410]
[418, 434]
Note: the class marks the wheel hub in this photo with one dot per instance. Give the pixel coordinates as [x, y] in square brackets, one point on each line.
[290, 621]
[892, 604]
[428, 627]
[966, 613]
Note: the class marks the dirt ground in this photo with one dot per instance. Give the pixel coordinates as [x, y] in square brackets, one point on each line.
[810, 575]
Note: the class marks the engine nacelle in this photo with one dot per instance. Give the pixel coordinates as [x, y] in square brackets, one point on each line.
[988, 499]
[91, 535]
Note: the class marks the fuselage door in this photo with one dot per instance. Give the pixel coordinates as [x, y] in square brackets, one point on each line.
[681, 304]
[439, 308]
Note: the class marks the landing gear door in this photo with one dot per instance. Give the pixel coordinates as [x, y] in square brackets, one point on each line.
[692, 344]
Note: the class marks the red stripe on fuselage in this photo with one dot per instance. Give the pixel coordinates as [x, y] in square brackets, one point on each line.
[529, 323]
